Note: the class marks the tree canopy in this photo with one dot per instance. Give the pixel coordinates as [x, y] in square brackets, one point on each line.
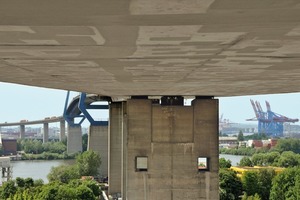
[223, 163]
[230, 185]
[286, 185]
[88, 163]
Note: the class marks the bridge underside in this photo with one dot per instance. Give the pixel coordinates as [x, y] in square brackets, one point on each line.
[159, 47]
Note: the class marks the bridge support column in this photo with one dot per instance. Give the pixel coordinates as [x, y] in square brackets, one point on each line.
[46, 132]
[115, 148]
[74, 140]
[169, 152]
[62, 134]
[98, 141]
[22, 131]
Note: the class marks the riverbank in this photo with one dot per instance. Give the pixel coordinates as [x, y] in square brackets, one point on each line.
[43, 156]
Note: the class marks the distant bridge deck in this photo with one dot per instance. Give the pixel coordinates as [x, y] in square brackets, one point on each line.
[27, 122]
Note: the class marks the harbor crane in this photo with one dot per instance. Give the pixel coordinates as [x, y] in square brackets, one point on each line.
[269, 122]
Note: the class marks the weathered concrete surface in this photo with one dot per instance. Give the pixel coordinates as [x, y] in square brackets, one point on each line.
[157, 47]
[172, 137]
[115, 147]
[22, 131]
[74, 139]
[98, 142]
[62, 133]
[46, 132]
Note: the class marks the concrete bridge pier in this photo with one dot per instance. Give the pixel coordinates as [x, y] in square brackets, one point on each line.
[98, 142]
[164, 151]
[62, 134]
[22, 131]
[46, 132]
[116, 110]
[74, 139]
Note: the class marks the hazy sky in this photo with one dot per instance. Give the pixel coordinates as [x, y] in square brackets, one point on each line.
[19, 102]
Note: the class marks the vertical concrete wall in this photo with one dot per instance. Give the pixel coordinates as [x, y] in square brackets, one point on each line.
[172, 138]
[74, 140]
[115, 147]
[22, 131]
[206, 140]
[46, 132]
[98, 141]
[62, 134]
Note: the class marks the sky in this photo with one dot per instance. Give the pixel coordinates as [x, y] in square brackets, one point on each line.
[18, 102]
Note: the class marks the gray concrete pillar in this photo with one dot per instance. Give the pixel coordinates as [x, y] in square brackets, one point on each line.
[206, 140]
[22, 131]
[98, 142]
[46, 132]
[163, 147]
[62, 134]
[115, 148]
[74, 140]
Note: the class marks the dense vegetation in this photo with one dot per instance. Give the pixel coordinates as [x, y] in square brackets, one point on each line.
[38, 147]
[37, 150]
[285, 159]
[74, 190]
[87, 164]
[264, 184]
[64, 182]
[259, 185]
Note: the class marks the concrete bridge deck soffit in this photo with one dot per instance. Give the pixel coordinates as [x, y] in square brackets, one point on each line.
[158, 47]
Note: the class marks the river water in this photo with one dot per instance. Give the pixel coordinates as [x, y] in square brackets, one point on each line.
[38, 169]
[233, 158]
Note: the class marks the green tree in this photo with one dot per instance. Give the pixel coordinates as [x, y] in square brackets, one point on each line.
[93, 186]
[240, 136]
[271, 158]
[67, 193]
[49, 191]
[63, 173]
[255, 197]
[88, 163]
[286, 185]
[223, 163]
[18, 195]
[230, 185]
[19, 145]
[250, 183]
[29, 193]
[296, 188]
[8, 189]
[28, 182]
[258, 159]
[245, 161]
[84, 142]
[290, 144]
[38, 182]
[54, 147]
[288, 159]
[85, 193]
[265, 177]
[20, 182]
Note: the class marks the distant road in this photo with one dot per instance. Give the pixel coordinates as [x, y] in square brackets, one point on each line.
[26, 122]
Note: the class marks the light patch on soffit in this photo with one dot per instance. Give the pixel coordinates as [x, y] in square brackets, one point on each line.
[50, 35]
[295, 31]
[158, 7]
